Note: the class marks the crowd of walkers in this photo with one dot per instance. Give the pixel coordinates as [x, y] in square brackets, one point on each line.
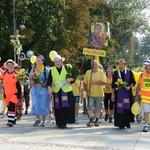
[56, 96]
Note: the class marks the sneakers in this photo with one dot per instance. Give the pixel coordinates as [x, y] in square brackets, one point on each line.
[96, 123]
[100, 120]
[110, 120]
[128, 125]
[145, 129]
[77, 121]
[10, 124]
[37, 122]
[106, 117]
[90, 124]
[138, 120]
[15, 121]
[51, 119]
[62, 126]
[42, 124]
[26, 112]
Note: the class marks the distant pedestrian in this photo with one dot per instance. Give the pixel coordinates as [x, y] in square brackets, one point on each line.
[27, 95]
[3, 105]
[77, 88]
[108, 104]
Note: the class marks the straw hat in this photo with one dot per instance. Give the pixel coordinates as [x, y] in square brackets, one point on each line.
[9, 61]
[58, 57]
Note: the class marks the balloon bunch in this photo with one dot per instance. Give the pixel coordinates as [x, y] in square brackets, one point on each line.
[31, 56]
[52, 55]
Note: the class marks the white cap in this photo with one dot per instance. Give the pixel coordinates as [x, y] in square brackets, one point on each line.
[147, 62]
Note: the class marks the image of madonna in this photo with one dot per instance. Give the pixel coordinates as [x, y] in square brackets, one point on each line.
[97, 36]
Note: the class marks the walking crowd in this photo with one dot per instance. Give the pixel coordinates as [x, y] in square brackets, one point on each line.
[54, 95]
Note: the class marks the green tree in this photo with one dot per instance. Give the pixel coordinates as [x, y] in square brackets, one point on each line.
[145, 47]
[6, 24]
[77, 18]
[44, 25]
[125, 18]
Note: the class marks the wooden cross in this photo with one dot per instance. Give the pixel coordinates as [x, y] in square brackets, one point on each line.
[15, 40]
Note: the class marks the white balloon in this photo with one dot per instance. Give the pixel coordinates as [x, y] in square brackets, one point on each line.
[30, 53]
[22, 27]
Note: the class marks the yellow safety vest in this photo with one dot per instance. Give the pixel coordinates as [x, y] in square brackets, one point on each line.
[59, 80]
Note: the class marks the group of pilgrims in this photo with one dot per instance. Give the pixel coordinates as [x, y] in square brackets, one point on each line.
[108, 91]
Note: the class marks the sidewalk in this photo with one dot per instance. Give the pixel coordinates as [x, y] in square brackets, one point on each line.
[23, 136]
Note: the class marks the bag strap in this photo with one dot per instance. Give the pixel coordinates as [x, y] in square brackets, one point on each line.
[90, 80]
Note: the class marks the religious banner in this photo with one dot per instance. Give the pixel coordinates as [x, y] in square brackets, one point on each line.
[97, 34]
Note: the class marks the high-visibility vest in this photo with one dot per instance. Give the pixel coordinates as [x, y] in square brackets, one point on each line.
[145, 87]
[59, 80]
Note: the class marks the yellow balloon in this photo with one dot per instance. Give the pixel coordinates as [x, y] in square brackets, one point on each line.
[136, 108]
[52, 55]
[33, 59]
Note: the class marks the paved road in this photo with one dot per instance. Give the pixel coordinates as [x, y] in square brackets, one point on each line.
[23, 136]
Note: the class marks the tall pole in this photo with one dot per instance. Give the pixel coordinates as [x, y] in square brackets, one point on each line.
[14, 24]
